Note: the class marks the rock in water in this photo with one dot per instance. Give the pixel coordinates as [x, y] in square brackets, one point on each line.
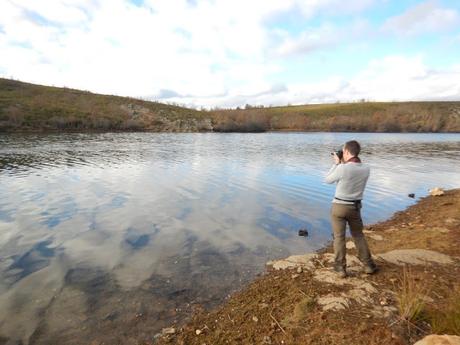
[303, 232]
[439, 340]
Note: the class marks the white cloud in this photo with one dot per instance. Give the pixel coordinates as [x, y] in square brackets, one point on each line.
[404, 78]
[392, 78]
[308, 41]
[207, 53]
[200, 48]
[422, 18]
[124, 49]
[333, 7]
[320, 38]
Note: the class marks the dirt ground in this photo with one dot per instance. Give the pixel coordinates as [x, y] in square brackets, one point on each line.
[304, 302]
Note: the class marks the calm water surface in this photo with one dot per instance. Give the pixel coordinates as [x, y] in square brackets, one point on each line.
[110, 237]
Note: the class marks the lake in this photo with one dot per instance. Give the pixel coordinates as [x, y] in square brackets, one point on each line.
[111, 237]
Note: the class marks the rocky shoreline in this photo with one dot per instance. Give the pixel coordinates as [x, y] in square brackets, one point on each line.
[299, 300]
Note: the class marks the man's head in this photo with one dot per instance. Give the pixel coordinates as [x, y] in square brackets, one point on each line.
[351, 149]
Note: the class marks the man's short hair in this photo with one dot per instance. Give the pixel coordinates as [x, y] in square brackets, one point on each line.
[353, 147]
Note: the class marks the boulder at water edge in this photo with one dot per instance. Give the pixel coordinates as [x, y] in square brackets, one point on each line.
[439, 340]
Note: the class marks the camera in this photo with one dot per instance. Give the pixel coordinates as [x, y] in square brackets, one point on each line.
[339, 153]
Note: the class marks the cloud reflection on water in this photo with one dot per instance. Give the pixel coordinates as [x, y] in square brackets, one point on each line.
[155, 221]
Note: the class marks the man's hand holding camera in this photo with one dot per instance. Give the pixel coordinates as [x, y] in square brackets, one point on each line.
[337, 156]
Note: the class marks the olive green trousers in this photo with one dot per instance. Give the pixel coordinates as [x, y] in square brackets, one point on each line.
[341, 215]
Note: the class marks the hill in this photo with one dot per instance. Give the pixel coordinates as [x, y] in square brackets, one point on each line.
[30, 107]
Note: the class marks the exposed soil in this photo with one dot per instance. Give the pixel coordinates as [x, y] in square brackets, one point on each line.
[306, 303]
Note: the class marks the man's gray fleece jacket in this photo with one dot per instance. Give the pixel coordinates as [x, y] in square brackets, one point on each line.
[351, 180]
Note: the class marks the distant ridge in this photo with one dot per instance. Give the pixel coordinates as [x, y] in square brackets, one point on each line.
[28, 107]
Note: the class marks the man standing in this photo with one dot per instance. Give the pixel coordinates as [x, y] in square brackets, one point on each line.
[351, 177]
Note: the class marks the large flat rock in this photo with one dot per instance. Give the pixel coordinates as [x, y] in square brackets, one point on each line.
[415, 257]
[294, 261]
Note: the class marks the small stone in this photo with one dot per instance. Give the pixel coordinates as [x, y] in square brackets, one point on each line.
[299, 270]
[263, 305]
[376, 237]
[198, 331]
[255, 319]
[294, 276]
[450, 221]
[169, 330]
[267, 340]
[350, 245]
[383, 301]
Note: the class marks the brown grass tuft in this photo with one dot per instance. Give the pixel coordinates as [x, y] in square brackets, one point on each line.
[411, 297]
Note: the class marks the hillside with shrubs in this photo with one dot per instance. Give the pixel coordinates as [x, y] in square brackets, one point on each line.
[28, 107]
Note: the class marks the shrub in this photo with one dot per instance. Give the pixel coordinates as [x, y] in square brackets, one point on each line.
[411, 297]
[132, 125]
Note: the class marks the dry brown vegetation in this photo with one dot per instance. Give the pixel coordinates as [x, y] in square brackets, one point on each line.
[351, 117]
[29, 107]
[410, 296]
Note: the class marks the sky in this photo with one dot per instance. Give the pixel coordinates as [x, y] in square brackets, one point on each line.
[222, 53]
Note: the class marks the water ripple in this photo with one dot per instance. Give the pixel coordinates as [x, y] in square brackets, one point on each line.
[86, 218]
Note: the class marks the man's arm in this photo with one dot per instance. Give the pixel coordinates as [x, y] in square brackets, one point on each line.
[335, 174]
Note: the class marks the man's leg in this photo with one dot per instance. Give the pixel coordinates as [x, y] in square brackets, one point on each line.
[338, 227]
[356, 229]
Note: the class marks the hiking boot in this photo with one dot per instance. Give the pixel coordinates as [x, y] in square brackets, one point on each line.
[370, 269]
[341, 273]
